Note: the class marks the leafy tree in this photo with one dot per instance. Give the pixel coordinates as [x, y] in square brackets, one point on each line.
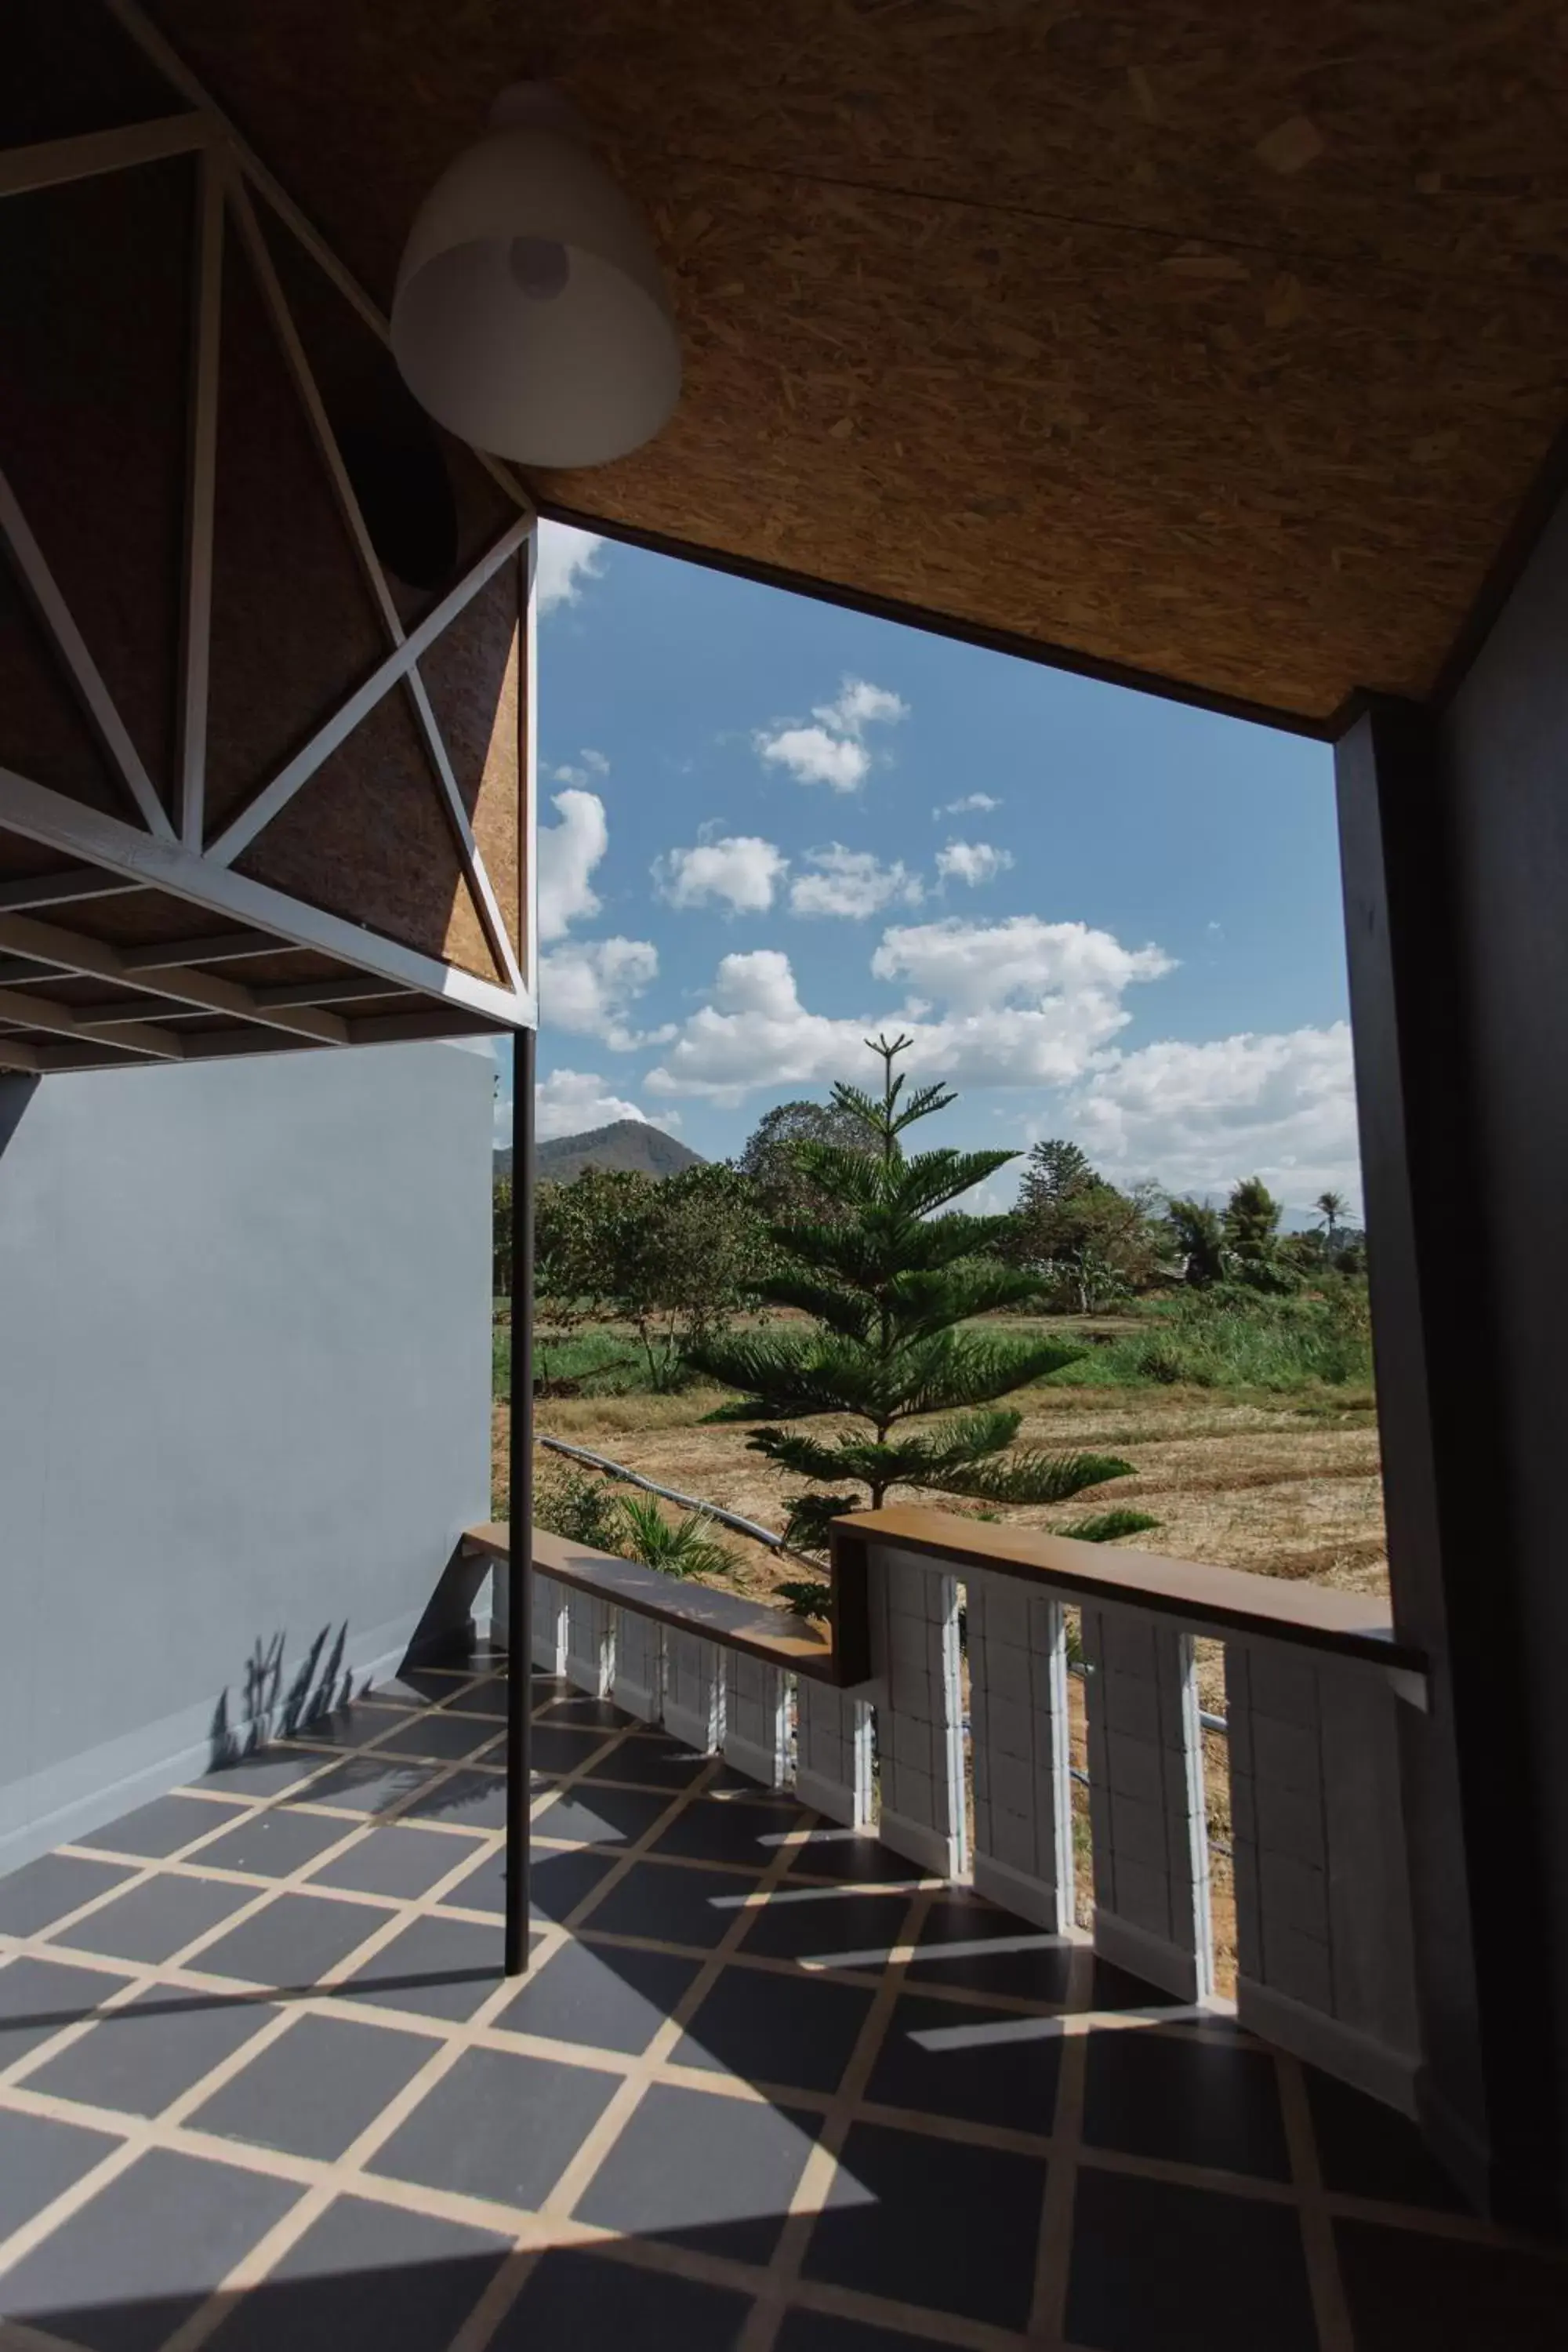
[1089, 1244]
[682, 1258]
[886, 1287]
[784, 1188]
[1199, 1238]
[1252, 1237]
[500, 1237]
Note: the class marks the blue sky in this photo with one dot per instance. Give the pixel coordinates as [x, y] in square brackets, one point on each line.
[768, 826]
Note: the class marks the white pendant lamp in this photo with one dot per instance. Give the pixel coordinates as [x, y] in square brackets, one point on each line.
[531, 317]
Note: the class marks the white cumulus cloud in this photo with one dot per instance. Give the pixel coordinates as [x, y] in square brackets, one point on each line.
[590, 985]
[852, 882]
[1023, 1003]
[1198, 1116]
[737, 868]
[971, 861]
[573, 1102]
[982, 801]
[833, 752]
[568, 852]
[567, 558]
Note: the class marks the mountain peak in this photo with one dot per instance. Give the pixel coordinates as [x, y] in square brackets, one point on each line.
[626, 1143]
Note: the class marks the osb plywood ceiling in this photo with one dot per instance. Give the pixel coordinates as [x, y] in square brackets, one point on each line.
[1220, 340]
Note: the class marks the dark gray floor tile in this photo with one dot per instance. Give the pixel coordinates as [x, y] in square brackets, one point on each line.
[292, 1941]
[711, 2173]
[154, 1921]
[795, 2030]
[498, 2126]
[268, 1774]
[649, 1760]
[983, 2065]
[138, 2258]
[469, 1800]
[447, 1739]
[395, 1860]
[484, 1699]
[156, 1830]
[711, 1828]
[1190, 2101]
[1365, 2149]
[362, 1784]
[368, 2278]
[576, 2298]
[576, 1708]
[839, 1930]
[671, 1903]
[608, 1997]
[1406, 2287]
[313, 2091]
[350, 1727]
[1188, 2269]
[139, 2057]
[565, 1747]
[34, 1897]
[1021, 1959]
[557, 1882]
[39, 2157]
[38, 1998]
[932, 2222]
[854, 1859]
[816, 2331]
[438, 1967]
[586, 1816]
[276, 1844]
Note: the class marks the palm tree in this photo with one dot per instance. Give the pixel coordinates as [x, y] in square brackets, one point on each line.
[1331, 1206]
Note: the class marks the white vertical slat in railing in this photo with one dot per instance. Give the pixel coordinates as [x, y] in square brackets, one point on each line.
[590, 1644]
[756, 1720]
[639, 1685]
[1325, 1962]
[549, 1625]
[833, 1753]
[1146, 1800]
[920, 1715]
[693, 1691]
[1019, 1728]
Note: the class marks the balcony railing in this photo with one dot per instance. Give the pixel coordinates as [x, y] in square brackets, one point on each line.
[871, 1729]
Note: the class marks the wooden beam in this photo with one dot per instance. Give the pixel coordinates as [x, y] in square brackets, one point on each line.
[213, 947]
[16, 1054]
[131, 1037]
[54, 161]
[54, 890]
[94, 960]
[361, 985]
[123, 850]
[195, 652]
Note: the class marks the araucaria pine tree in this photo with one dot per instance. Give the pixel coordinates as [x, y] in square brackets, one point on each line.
[888, 1283]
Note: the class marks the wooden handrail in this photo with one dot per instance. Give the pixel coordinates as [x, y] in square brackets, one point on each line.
[756, 1628]
[1223, 1599]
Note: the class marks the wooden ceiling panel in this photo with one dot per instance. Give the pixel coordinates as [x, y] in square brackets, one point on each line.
[366, 837]
[1207, 340]
[473, 675]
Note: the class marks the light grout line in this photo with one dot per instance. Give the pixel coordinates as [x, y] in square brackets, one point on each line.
[530, 2231]
[820, 2169]
[1330, 2312]
[1053, 2247]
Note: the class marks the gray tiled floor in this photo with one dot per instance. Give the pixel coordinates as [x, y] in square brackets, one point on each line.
[262, 2084]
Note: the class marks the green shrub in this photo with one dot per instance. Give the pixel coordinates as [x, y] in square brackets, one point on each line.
[582, 1506]
[1228, 1337]
[1106, 1526]
[683, 1547]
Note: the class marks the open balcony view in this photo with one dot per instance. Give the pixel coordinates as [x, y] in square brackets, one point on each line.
[832, 1618]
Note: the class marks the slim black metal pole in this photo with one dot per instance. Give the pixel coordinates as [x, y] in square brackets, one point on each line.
[519, 1531]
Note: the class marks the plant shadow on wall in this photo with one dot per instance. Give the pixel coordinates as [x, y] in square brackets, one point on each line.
[320, 1684]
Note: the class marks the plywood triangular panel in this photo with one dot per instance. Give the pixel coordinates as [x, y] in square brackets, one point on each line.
[293, 626]
[369, 838]
[473, 676]
[92, 418]
[43, 734]
[67, 68]
[429, 506]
